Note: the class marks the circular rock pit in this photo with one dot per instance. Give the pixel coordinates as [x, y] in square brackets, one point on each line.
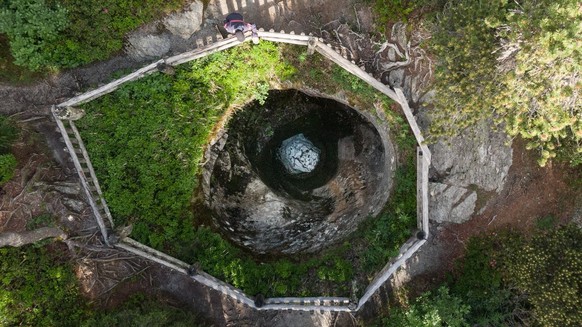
[297, 173]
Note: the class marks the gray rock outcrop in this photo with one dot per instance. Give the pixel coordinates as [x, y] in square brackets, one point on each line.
[477, 157]
[185, 23]
[451, 203]
[145, 47]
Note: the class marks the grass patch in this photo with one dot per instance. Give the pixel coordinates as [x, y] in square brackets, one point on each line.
[146, 142]
[8, 162]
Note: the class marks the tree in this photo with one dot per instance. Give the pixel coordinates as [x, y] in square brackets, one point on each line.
[517, 63]
[540, 42]
[548, 268]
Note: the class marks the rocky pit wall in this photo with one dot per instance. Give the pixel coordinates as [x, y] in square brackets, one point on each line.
[260, 206]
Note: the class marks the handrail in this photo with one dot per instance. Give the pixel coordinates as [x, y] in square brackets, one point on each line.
[285, 303]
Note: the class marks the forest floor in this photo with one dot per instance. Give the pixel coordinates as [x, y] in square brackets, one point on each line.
[530, 192]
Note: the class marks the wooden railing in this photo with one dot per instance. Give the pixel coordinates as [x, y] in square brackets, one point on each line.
[87, 176]
[103, 217]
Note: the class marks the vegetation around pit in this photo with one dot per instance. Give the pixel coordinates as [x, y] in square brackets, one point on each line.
[505, 279]
[8, 162]
[516, 63]
[38, 287]
[146, 142]
[47, 35]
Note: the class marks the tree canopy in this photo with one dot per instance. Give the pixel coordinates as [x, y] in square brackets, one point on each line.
[517, 63]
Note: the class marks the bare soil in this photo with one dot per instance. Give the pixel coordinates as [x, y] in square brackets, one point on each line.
[530, 193]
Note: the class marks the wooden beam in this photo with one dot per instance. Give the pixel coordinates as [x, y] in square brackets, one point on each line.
[283, 36]
[413, 125]
[380, 280]
[330, 53]
[81, 145]
[84, 184]
[110, 87]
[202, 52]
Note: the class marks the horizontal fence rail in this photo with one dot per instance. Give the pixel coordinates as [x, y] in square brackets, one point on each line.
[80, 158]
[390, 269]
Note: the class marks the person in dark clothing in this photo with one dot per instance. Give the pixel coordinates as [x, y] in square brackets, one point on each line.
[235, 24]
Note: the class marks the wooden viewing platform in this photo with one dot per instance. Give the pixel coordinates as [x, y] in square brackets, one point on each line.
[90, 184]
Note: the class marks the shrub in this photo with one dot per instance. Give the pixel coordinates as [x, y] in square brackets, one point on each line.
[515, 62]
[32, 26]
[139, 311]
[548, 268]
[477, 280]
[38, 288]
[8, 134]
[430, 310]
[68, 33]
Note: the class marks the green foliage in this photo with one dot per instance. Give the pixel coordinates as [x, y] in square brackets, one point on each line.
[8, 134]
[384, 235]
[546, 222]
[431, 310]
[508, 279]
[139, 311]
[478, 281]
[548, 268]
[38, 288]
[280, 277]
[8, 163]
[352, 83]
[466, 73]
[543, 106]
[7, 166]
[9, 72]
[69, 33]
[146, 140]
[44, 220]
[392, 11]
[516, 63]
[32, 26]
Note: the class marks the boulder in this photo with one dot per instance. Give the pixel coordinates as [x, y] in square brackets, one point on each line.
[184, 24]
[449, 203]
[144, 47]
[479, 156]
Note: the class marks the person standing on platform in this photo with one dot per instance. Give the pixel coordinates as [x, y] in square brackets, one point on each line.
[235, 24]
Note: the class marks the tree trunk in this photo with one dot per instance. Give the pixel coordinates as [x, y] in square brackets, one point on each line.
[28, 237]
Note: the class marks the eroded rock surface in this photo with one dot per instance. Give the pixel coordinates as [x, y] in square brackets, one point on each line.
[476, 162]
[451, 203]
[477, 157]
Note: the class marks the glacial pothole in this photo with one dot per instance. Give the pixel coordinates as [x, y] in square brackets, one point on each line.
[297, 173]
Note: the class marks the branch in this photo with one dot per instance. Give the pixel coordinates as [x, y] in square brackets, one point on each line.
[23, 238]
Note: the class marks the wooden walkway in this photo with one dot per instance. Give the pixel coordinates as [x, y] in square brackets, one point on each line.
[90, 184]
